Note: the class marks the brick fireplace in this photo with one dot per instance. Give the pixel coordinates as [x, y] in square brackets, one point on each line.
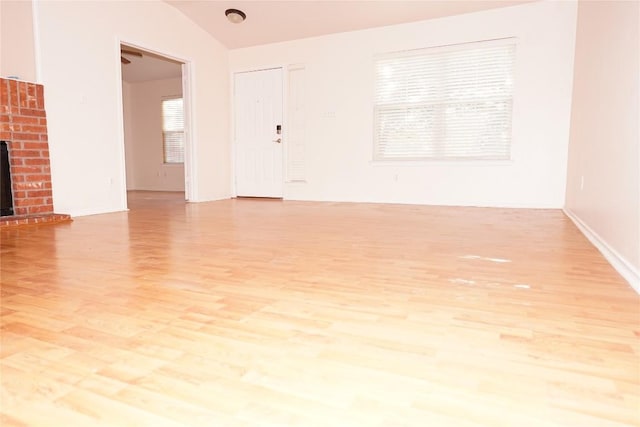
[23, 125]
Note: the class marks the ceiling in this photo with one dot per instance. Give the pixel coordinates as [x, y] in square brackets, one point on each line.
[149, 67]
[275, 21]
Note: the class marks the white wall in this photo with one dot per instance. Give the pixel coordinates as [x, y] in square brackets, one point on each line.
[603, 180]
[16, 40]
[146, 169]
[339, 123]
[79, 59]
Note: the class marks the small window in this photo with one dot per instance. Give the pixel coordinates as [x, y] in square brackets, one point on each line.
[173, 130]
[445, 103]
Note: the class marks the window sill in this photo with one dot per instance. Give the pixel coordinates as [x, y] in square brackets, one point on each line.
[440, 162]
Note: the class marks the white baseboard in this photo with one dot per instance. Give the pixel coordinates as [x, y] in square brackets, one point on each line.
[621, 265]
[87, 212]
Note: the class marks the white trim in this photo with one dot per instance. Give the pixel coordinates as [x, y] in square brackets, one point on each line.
[286, 110]
[444, 162]
[120, 117]
[285, 126]
[617, 261]
[87, 212]
[453, 47]
[187, 71]
[232, 133]
[232, 119]
[256, 69]
[190, 148]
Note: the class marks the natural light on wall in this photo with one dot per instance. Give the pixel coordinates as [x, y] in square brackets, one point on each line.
[173, 130]
[452, 102]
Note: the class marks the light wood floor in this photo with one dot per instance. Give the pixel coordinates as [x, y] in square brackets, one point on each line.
[271, 313]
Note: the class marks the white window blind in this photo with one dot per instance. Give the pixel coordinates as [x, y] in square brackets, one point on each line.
[173, 130]
[445, 103]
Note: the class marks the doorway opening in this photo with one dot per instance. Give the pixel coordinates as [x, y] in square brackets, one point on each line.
[156, 126]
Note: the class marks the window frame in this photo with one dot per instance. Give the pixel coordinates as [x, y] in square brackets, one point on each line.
[378, 159]
[164, 132]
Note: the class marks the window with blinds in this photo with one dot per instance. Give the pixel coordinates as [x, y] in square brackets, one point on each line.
[453, 102]
[173, 130]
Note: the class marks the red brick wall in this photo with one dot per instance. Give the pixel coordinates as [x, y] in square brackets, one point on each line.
[23, 124]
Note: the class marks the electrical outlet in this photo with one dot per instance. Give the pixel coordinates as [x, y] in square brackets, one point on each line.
[581, 182]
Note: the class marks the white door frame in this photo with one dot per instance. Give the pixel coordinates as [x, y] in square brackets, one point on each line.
[189, 121]
[232, 133]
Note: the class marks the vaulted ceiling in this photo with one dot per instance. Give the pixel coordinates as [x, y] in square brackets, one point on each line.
[275, 21]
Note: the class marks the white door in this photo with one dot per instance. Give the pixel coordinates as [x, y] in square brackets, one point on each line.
[258, 146]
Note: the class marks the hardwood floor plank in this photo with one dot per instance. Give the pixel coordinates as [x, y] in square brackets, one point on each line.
[269, 313]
